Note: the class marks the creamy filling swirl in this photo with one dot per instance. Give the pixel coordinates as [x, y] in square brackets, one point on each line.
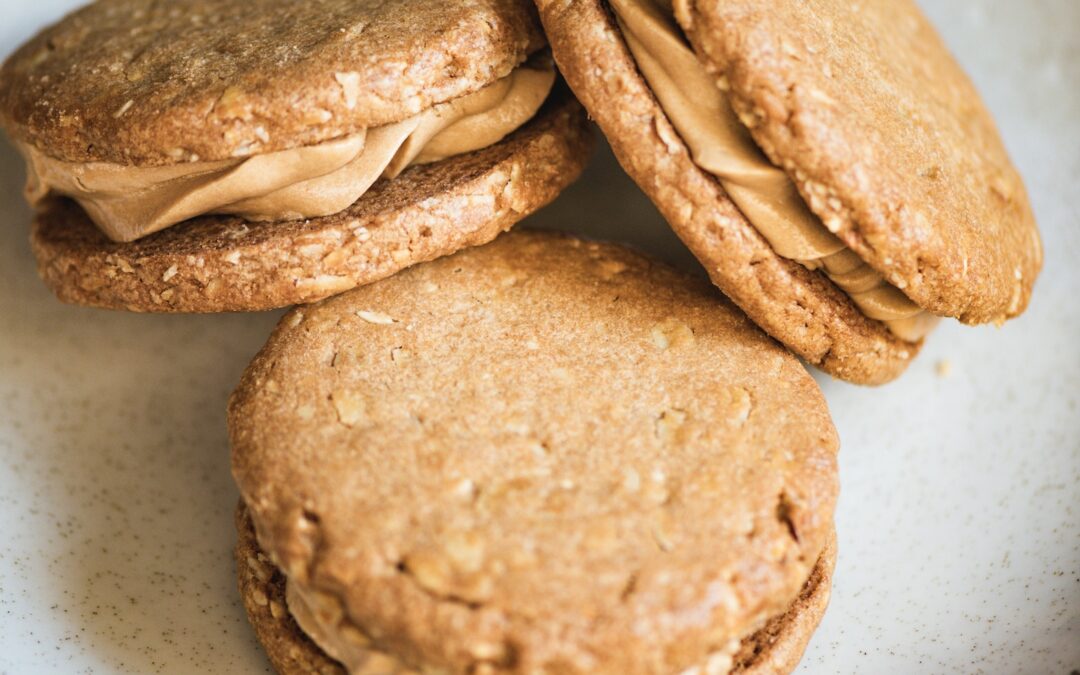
[720, 144]
[130, 202]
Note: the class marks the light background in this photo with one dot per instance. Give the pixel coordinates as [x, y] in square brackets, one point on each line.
[959, 531]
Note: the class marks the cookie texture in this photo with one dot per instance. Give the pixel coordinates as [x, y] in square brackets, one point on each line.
[538, 454]
[798, 307]
[774, 649]
[886, 138]
[779, 645]
[127, 81]
[222, 263]
[262, 591]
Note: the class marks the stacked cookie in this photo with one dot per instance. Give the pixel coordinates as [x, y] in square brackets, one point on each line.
[542, 455]
[830, 165]
[225, 156]
[534, 453]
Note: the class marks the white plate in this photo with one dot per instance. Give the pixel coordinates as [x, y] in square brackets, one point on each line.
[959, 531]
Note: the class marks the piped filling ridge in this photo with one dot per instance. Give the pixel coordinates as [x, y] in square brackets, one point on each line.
[130, 202]
[721, 145]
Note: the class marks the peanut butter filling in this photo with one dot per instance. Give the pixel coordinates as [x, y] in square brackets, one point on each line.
[721, 145]
[129, 202]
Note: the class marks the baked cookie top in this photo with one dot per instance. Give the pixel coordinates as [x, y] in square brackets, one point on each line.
[539, 453]
[151, 83]
[887, 140]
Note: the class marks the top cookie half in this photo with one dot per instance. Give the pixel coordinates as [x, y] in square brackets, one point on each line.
[151, 83]
[886, 138]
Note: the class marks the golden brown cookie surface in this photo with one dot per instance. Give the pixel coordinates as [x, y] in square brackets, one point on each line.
[886, 138]
[143, 82]
[535, 453]
[775, 648]
[778, 646]
[220, 263]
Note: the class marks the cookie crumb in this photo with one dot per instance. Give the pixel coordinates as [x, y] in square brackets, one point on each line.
[672, 332]
[944, 368]
[123, 109]
[350, 87]
[351, 409]
[609, 269]
[376, 318]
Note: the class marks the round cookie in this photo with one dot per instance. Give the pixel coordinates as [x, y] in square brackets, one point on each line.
[239, 156]
[541, 453]
[948, 221]
[775, 648]
[212, 77]
[844, 103]
[216, 263]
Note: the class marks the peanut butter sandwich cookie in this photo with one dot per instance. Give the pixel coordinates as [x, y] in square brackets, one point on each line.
[226, 155]
[828, 162]
[538, 456]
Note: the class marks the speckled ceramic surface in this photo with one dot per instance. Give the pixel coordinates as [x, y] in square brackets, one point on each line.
[958, 523]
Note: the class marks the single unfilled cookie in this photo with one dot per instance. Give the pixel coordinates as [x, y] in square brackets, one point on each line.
[540, 454]
[878, 131]
[248, 155]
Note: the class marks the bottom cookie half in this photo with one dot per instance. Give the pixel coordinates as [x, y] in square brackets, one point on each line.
[775, 648]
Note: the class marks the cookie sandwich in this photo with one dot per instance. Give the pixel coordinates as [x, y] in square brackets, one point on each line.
[540, 455]
[203, 156]
[829, 163]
